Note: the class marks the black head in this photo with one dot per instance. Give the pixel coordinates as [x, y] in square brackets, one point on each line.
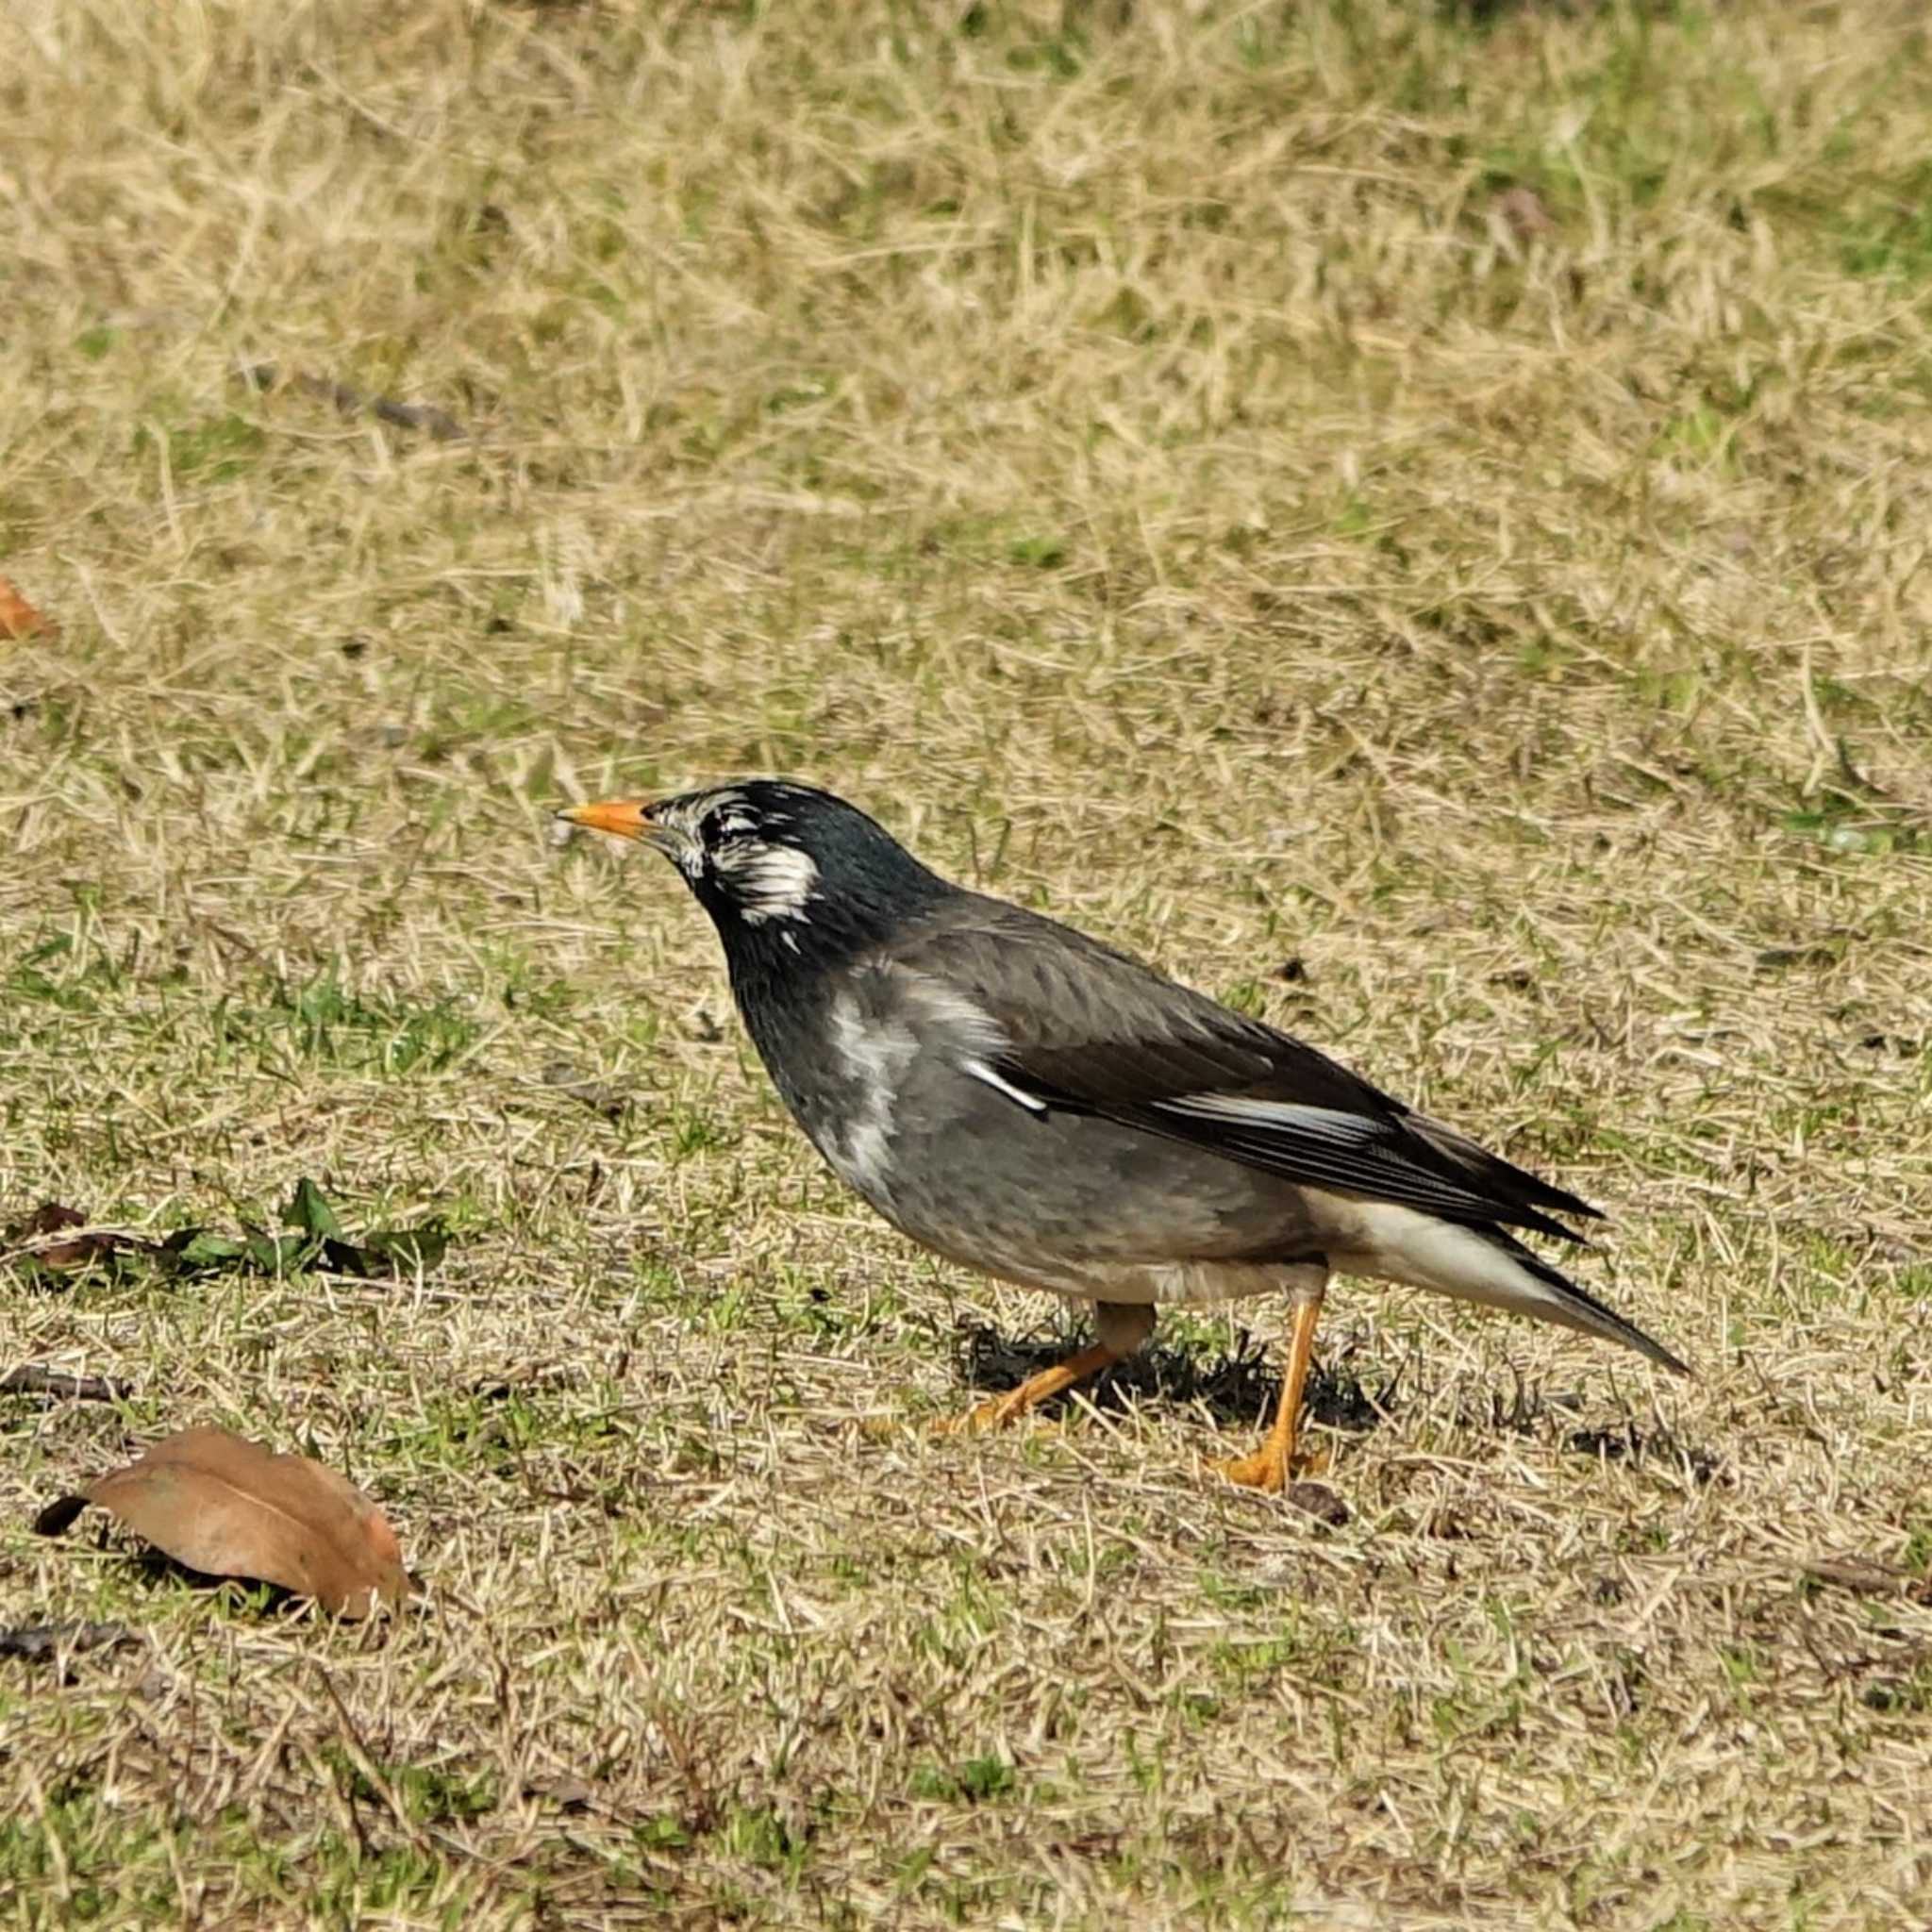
[792, 876]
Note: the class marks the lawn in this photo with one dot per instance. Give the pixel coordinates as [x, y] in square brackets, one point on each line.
[1414, 520]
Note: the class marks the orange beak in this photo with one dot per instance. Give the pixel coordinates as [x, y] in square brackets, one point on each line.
[624, 818]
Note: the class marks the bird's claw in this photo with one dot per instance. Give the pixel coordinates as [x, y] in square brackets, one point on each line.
[1261, 1471]
[1266, 1473]
[984, 1417]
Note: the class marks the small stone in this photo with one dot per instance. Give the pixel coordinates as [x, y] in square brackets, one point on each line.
[1319, 1500]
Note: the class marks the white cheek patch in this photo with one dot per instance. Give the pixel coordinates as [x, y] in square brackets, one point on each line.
[768, 882]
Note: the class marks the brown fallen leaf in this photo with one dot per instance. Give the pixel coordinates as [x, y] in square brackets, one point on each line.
[230, 1507]
[37, 1239]
[614, 1103]
[562, 1789]
[49, 1640]
[19, 619]
[1319, 1500]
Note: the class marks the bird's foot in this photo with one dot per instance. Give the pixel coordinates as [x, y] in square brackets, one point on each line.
[1268, 1469]
[1035, 1389]
[1260, 1471]
[985, 1416]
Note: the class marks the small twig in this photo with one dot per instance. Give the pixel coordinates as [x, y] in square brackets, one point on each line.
[402, 885]
[614, 1103]
[1814, 725]
[1866, 1576]
[37, 1379]
[44, 1640]
[359, 1755]
[351, 401]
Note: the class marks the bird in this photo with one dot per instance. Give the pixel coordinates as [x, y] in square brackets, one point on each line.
[1030, 1103]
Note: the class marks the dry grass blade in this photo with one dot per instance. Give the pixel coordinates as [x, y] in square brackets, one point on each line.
[230, 1507]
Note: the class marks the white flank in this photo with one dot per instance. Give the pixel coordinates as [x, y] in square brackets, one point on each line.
[971, 1035]
[875, 1057]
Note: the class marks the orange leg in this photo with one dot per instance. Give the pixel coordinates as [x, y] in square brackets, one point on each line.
[1033, 1391]
[1268, 1467]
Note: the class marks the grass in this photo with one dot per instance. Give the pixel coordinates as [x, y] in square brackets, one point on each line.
[1412, 517]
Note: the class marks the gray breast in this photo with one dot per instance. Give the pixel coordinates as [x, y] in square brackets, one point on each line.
[1048, 1198]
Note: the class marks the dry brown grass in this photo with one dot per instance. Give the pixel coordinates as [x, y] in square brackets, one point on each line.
[1151, 455]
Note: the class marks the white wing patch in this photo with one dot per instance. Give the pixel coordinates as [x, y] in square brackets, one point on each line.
[1318, 1122]
[980, 1071]
[967, 1034]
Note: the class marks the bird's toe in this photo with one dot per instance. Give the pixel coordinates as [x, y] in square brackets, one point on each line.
[1269, 1470]
[1260, 1471]
[993, 1414]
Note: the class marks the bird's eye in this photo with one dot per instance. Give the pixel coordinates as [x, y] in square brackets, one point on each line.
[733, 826]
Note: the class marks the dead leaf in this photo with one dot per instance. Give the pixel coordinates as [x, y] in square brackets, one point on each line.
[614, 1103]
[52, 1639]
[19, 619]
[231, 1508]
[569, 1793]
[1525, 212]
[1319, 1500]
[36, 1238]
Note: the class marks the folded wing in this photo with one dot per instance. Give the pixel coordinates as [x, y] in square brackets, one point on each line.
[1080, 1027]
